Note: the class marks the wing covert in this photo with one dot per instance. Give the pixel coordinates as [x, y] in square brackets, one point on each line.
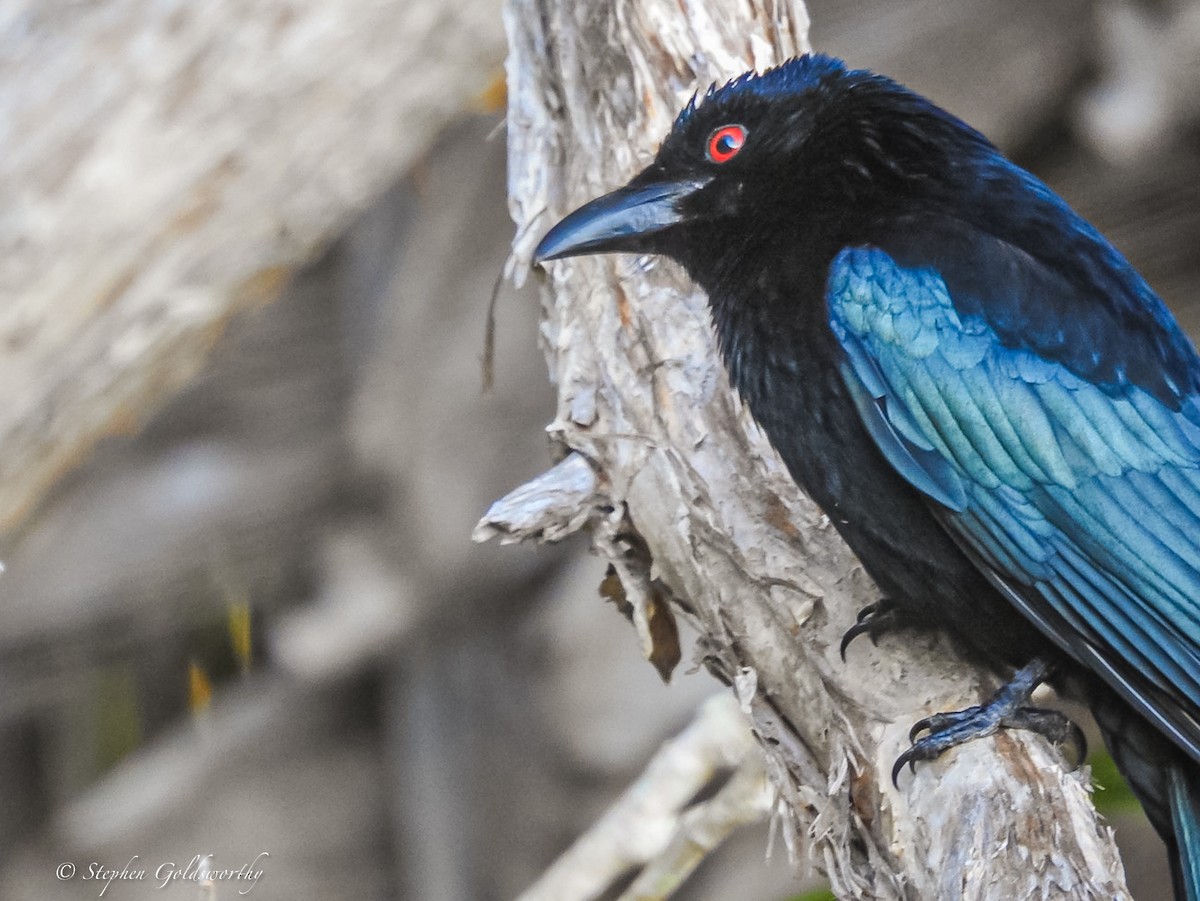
[1081, 501]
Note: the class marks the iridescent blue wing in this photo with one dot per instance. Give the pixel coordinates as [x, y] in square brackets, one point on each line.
[1069, 473]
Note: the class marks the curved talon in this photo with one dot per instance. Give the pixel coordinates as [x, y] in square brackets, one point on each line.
[852, 633]
[907, 757]
[871, 620]
[918, 727]
[1079, 742]
[1052, 725]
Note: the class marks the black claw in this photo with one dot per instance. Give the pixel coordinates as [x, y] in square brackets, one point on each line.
[1055, 727]
[899, 765]
[872, 620]
[918, 727]
[1078, 741]
[910, 757]
[852, 633]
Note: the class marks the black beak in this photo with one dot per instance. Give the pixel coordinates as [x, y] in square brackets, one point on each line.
[622, 220]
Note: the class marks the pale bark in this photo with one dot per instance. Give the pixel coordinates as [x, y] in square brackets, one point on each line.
[651, 827]
[167, 163]
[688, 495]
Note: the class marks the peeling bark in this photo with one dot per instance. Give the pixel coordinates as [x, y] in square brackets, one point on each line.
[593, 86]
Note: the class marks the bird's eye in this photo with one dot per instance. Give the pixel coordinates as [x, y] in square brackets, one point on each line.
[725, 142]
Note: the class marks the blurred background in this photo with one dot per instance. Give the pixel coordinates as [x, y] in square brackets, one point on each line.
[250, 618]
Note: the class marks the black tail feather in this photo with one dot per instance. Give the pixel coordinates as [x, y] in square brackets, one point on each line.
[1163, 778]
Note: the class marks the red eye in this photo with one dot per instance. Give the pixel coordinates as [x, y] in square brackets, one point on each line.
[725, 142]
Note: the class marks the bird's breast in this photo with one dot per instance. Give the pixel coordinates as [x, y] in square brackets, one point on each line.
[785, 367]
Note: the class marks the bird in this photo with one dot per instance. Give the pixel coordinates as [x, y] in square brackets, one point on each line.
[991, 405]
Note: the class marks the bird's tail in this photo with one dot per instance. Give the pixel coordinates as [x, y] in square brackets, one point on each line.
[1163, 778]
[1184, 799]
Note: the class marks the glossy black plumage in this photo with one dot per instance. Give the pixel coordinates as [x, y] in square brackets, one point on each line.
[992, 406]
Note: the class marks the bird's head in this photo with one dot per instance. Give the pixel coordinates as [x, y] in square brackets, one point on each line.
[809, 151]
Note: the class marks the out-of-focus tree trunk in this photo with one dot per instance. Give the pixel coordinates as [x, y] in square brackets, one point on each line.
[167, 163]
[685, 496]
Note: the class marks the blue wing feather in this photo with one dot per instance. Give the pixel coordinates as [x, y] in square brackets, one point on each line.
[1077, 489]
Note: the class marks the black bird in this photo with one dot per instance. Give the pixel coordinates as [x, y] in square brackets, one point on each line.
[992, 406]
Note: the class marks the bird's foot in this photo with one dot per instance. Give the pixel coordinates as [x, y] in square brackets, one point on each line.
[1007, 709]
[873, 621]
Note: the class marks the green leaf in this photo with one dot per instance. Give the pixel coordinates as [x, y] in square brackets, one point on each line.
[820, 894]
[1113, 794]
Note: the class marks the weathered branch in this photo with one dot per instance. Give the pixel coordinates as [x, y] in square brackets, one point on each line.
[548, 508]
[593, 85]
[651, 823]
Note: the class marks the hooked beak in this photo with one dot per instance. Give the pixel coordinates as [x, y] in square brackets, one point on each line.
[622, 220]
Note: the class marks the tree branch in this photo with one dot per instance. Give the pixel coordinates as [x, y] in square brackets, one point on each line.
[593, 86]
[651, 824]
